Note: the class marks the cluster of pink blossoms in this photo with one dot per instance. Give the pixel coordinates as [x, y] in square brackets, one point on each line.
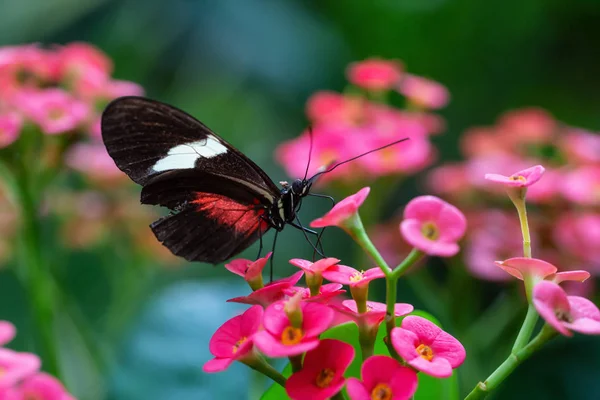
[286, 320]
[566, 218]
[345, 125]
[20, 376]
[51, 100]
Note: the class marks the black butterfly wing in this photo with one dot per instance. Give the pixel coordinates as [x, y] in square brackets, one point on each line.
[220, 197]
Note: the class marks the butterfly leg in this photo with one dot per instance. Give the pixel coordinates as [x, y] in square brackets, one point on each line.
[323, 196]
[260, 245]
[272, 257]
[305, 231]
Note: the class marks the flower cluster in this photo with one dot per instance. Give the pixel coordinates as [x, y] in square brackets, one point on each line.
[21, 377]
[567, 198]
[362, 118]
[286, 320]
[51, 100]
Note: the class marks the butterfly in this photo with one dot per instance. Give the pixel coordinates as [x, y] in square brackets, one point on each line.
[221, 201]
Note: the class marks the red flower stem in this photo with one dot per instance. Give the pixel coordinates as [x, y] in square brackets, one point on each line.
[483, 389]
[357, 231]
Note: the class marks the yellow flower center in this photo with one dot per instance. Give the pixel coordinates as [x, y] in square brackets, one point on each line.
[291, 335]
[55, 113]
[381, 392]
[519, 178]
[430, 230]
[324, 377]
[357, 277]
[237, 345]
[425, 352]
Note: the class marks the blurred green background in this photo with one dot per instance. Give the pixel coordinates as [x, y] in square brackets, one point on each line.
[246, 69]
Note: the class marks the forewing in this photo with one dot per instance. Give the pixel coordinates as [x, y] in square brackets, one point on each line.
[147, 138]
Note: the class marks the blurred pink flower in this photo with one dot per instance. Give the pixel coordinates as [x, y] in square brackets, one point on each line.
[522, 268]
[343, 210]
[250, 270]
[16, 366]
[41, 386]
[424, 92]
[481, 141]
[93, 160]
[10, 128]
[581, 146]
[352, 277]
[335, 108]
[271, 293]
[582, 186]
[546, 190]
[382, 378]
[427, 348]
[7, 332]
[524, 178]
[566, 313]
[375, 74]
[117, 88]
[322, 374]
[449, 179]
[54, 110]
[433, 226]
[527, 125]
[84, 68]
[234, 339]
[579, 236]
[281, 338]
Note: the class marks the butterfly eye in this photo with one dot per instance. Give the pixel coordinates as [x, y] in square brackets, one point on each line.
[298, 186]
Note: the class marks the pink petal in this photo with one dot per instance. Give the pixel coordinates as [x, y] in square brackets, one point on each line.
[316, 318]
[424, 208]
[44, 387]
[446, 346]
[315, 267]
[272, 346]
[405, 343]
[217, 365]
[580, 276]
[342, 210]
[357, 390]
[411, 231]
[340, 274]
[238, 266]
[251, 320]
[548, 298]
[301, 386]
[438, 367]
[521, 266]
[331, 353]
[7, 332]
[585, 314]
[426, 331]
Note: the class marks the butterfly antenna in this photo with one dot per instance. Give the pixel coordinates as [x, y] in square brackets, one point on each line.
[310, 134]
[329, 169]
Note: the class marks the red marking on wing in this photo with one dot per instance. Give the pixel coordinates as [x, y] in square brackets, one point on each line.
[243, 218]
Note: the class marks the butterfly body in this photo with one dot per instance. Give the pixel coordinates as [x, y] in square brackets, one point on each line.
[221, 201]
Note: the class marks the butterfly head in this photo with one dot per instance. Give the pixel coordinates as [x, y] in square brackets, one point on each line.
[301, 187]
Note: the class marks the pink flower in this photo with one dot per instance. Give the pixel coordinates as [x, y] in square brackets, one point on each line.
[281, 338]
[375, 314]
[342, 211]
[527, 125]
[251, 271]
[449, 180]
[7, 332]
[313, 271]
[16, 366]
[352, 277]
[54, 110]
[117, 88]
[84, 67]
[374, 74]
[433, 226]
[546, 190]
[41, 386]
[566, 313]
[579, 236]
[427, 348]
[382, 378]
[326, 293]
[271, 293]
[582, 186]
[335, 108]
[10, 128]
[93, 161]
[581, 146]
[322, 374]
[234, 339]
[524, 178]
[424, 92]
[525, 268]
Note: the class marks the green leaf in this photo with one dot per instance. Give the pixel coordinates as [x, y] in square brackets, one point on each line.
[429, 387]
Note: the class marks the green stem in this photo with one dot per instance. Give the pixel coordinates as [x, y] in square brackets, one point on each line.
[414, 256]
[482, 389]
[296, 362]
[260, 365]
[338, 396]
[35, 276]
[356, 229]
[518, 200]
[367, 342]
[391, 286]
[527, 328]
